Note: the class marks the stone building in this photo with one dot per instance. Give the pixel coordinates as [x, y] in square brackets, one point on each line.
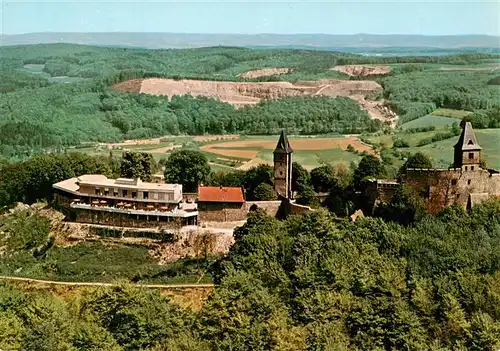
[221, 204]
[93, 198]
[283, 167]
[466, 183]
[378, 191]
[124, 202]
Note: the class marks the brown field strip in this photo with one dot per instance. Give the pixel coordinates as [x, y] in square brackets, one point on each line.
[216, 137]
[297, 145]
[248, 154]
[165, 149]
[253, 163]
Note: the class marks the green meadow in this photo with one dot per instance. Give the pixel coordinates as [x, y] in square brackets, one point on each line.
[441, 152]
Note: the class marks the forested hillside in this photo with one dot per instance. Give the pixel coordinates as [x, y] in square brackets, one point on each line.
[54, 96]
[308, 283]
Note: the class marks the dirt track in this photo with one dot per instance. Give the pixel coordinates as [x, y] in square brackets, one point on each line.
[54, 282]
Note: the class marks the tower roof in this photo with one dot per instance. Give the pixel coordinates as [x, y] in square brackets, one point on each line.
[467, 140]
[283, 146]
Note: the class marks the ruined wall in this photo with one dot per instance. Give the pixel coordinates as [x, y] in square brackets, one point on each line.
[386, 191]
[296, 209]
[444, 187]
[221, 211]
[271, 208]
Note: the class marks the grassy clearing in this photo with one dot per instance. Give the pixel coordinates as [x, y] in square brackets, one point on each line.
[387, 140]
[448, 112]
[430, 120]
[97, 262]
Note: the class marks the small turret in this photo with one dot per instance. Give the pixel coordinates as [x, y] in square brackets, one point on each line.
[467, 150]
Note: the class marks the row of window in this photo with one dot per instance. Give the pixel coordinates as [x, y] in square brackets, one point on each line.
[133, 194]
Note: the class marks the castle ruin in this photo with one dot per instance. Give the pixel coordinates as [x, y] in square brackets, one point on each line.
[466, 183]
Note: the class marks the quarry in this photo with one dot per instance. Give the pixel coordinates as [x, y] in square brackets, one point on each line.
[241, 94]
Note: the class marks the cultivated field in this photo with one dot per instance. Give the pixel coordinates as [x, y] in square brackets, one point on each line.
[310, 152]
[230, 152]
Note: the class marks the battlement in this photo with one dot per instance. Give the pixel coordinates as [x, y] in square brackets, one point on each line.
[433, 169]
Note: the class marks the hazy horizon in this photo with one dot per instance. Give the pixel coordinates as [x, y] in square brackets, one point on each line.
[263, 33]
[429, 18]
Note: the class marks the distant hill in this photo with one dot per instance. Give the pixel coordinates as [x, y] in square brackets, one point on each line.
[318, 41]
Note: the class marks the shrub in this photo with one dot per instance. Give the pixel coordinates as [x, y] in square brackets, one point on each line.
[400, 143]
[264, 192]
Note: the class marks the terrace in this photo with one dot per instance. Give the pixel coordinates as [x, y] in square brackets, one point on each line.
[130, 209]
[99, 187]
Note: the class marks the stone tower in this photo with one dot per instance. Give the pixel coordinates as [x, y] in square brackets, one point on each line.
[467, 150]
[283, 167]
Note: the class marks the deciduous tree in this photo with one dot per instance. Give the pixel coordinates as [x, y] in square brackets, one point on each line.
[187, 167]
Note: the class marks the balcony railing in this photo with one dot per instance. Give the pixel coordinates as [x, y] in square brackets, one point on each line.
[132, 211]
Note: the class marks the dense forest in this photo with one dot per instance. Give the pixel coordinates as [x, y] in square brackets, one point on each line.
[307, 283]
[400, 280]
[40, 111]
[415, 94]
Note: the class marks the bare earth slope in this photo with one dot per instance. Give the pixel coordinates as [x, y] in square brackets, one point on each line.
[362, 71]
[245, 93]
[264, 72]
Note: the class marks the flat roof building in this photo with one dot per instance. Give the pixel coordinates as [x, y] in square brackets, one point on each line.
[94, 198]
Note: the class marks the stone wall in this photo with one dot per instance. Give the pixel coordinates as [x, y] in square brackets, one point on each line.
[221, 211]
[444, 187]
[271, 208]
[296, 209]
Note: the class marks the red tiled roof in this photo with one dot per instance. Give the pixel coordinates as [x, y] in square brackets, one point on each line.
[220, 194]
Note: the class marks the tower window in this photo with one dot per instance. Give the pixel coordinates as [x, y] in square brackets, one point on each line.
[471, 155]
[471, 168]
[468, 182]
[281, 173]
[470, 142]
[453, 182]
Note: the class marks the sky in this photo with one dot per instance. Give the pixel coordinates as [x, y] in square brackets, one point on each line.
[426, 17]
